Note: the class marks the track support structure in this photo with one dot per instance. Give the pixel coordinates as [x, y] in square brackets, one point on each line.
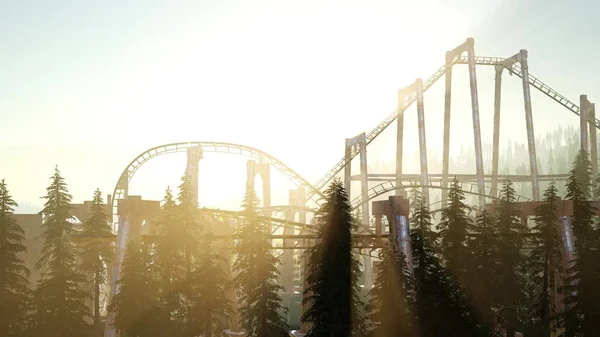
[496, 135]
[194, 154]
[476, 123]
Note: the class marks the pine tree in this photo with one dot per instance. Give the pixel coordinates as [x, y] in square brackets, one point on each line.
[511, 285]
[454, 229]
[14, 285]
[171, 265]
[190, 227]
[61, 310]
[581, 288]
[98, 250]
[333, 270]
[390, 308]
[436, 311]
[209, 302]
[136, 305]
[546, 261]
[484, 269]
[261, 310]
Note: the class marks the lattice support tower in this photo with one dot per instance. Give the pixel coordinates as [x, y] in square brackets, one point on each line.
[521, 57]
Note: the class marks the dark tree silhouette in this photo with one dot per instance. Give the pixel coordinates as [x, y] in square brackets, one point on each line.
[581, 288]
[136, 306]
[333, 274]
[209, 302]
[98, 250]
[511, 285]
[14, 286]
[546, 261]
[390, 308]
[436, 310]
[453, 229]
[59, 298]
[484, 269]
[261, 310]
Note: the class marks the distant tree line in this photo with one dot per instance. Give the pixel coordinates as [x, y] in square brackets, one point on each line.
[492, 275]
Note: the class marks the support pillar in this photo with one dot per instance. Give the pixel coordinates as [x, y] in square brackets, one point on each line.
[396, 209]
[422, 138]
[287, 263]
[194, 154]
[476, 127]
[348, 167]
[252, 169]
[583, 122]
[496, 141]
[400, 138]
[593, 141]
[529, 120]
[447, 107]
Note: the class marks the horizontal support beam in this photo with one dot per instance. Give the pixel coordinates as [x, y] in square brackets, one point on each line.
[461, 177]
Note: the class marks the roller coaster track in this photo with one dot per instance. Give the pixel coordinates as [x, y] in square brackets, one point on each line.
[389, 186]
[217, 147]
[410, 99]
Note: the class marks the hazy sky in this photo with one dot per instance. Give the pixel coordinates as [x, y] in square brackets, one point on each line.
[88, 85]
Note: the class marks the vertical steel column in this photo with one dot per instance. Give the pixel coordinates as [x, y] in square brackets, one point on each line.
[348, 167]
[496, 141]
[364, 190]
[476, 127]
[250, 173]
[593, 141]
[265, 175]
[399, 139]
[364, 181]
[194, 154]
[447, 107]
[422, 139]
[287, 258]
[529, 120]
[583, 122]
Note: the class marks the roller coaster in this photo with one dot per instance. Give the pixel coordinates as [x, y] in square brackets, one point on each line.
[295, 231]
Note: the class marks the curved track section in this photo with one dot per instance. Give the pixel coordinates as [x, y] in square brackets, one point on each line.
[218, 147]
[479, 60]
[390, 186]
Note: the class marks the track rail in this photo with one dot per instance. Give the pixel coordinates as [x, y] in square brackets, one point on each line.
[480, 60]
[217, 147]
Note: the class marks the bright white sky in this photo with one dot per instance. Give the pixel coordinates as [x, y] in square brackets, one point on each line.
[88, 86]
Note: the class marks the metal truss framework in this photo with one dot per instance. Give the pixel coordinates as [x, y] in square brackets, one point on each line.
[410, 98]
[300, 235]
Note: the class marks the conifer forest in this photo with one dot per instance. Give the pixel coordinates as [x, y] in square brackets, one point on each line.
[486, 273]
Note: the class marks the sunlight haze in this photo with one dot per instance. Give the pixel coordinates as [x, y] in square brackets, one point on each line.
[89, 86]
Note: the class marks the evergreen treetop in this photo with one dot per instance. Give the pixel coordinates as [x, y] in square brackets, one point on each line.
[261, 310]
[98, 251]
[59, 298]
[333, 274]
[14, 285]
[546, 261]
